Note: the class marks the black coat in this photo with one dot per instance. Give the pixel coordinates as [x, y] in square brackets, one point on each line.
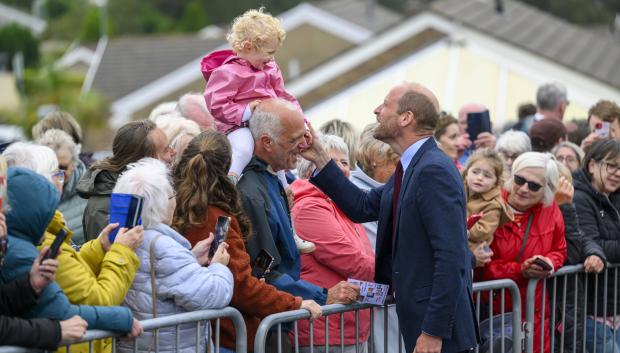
[598, 218]
[17, 297]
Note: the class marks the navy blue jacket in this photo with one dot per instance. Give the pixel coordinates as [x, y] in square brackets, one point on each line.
[429, 267]
[265, 203]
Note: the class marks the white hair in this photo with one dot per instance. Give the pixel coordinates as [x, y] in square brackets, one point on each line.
[330, 143]
[550, 95]
[189, 101]
[538, 160]
[176, 127]
[148, 178]
[514, 142]
[265, 123]
[161, 109]
[58, 139]
[40, 159]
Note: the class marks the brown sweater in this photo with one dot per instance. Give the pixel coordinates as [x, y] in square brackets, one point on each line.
[255, 299]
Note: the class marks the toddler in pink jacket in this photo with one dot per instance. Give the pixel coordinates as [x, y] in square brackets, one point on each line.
[238, 79]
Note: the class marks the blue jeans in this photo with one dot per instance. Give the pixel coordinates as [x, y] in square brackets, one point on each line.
[611, 344]
[226, 350]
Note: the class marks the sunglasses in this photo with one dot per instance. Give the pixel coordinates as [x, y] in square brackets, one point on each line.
[533, 186]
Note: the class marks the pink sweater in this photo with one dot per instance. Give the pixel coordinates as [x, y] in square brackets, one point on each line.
[342, 251]
[232, 83]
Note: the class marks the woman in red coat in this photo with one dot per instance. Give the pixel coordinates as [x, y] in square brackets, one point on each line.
[530, 191]
[342, 251]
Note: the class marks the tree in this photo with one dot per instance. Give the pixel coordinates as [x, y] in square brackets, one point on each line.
[194, 17]
[14, 39]
[91, 25]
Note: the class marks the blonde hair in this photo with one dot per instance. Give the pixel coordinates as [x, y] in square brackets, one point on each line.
[256, 27]
[489, 156]
[370, 151]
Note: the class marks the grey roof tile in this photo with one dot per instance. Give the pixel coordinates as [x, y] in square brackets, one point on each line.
[536, 31]
[132, 62]
[369, 15]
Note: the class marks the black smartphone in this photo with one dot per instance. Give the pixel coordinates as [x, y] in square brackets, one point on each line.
[478, 123]
[52, 253]
[542, 263]
[262, 264]
[221, 232]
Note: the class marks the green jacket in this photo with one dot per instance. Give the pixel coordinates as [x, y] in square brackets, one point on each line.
[96, 186]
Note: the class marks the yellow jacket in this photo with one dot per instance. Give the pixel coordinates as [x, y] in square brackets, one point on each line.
[92, 276]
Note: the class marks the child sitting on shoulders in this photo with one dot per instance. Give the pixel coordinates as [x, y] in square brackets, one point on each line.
[238, 79]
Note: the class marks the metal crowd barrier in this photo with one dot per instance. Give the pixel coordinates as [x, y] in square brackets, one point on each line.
[154, 325]
[281, 323]
[570, 314]
[508, 323]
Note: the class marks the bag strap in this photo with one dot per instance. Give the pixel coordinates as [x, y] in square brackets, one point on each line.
[152, 268]
[527, 232]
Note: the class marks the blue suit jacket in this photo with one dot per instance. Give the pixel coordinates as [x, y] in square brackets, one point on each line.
[429, 265]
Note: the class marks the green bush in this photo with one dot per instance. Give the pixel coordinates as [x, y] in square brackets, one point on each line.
[14, 39]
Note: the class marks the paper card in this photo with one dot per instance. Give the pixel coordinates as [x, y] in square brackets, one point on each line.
[370, 292]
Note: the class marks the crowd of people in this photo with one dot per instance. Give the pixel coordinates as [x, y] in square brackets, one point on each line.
[327, 206]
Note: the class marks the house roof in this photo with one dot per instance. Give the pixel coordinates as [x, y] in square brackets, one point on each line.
[10, 14]
[132, 62]
[368, 14]
[534, 30]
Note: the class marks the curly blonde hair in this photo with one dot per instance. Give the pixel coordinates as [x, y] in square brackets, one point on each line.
[256, 27]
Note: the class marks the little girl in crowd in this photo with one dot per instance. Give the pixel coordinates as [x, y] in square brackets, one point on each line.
[483, 176]
[238, 79]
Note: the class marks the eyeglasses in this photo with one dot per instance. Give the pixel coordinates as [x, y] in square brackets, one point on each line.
[567, 159]
[59, 175]
[611, 168]
[533, 186]
[507, 156]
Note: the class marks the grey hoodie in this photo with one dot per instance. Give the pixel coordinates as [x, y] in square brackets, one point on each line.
[96, 186]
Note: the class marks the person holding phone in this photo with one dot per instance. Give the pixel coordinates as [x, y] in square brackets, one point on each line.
[205, 193]
[533, 244]
[484, 137]
[604, 122]
[21, 294]
[33, 202]
[172, 277]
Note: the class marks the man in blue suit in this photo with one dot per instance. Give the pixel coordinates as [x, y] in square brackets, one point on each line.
[421, 239]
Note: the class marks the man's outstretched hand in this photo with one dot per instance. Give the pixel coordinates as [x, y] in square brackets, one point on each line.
[313, 150]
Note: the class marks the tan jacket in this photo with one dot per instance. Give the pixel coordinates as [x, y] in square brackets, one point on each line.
[496, 213]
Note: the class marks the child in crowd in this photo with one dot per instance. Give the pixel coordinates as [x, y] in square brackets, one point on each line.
[238, 79]
[483, 180]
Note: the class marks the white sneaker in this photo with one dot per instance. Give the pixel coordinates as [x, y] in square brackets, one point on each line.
[303, 246]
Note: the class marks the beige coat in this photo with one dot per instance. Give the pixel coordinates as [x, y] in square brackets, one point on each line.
[496, 213]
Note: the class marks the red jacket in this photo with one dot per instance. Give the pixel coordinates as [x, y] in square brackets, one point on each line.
[546, 238]
[342, 251]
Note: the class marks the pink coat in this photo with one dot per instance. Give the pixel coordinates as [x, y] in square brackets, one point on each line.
[232, 83]
[342, 251]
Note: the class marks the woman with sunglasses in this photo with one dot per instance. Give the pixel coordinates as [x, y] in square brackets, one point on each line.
[532, 245]
[596, 189]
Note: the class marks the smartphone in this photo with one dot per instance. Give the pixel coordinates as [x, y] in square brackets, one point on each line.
[602, 129]
[262, 264]
[126, 210]
[478, 123]
[52, 253]
[221, 232]
[542, 263]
